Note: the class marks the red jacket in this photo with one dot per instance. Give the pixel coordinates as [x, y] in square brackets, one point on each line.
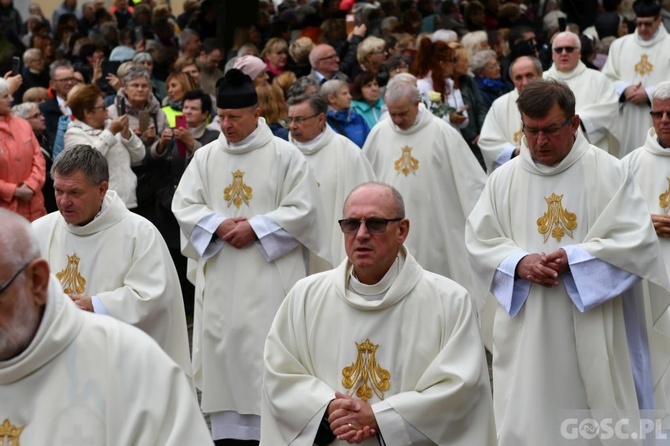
[21, 162]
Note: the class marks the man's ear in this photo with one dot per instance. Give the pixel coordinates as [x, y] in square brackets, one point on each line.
[39, 281]
[403, 230]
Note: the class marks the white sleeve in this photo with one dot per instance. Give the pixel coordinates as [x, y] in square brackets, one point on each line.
[510, 293]
[274, 241]
[395, 429]
[202, 236]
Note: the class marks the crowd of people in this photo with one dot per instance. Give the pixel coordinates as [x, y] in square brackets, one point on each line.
[264, 191]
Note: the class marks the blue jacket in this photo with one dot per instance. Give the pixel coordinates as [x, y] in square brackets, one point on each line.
[370, 113]
[350, 124]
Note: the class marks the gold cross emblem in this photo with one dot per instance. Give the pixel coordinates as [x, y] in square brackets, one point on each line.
[365, 376]
[9, 434]
[644, 67]
[238, 192]
[556, 222]
[70, 278]
[406, 164]
[664, 198]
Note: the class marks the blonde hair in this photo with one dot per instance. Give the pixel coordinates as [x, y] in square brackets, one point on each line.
[271, 102]
[35, 94]
[284, 81]
[299, 50]
[368, 46]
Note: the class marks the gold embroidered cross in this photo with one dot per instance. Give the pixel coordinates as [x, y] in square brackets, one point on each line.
[556, 222]
[664, 198]
[238, 192]
[365, 376]
[644, 67]
[70, 278]
[406, 163]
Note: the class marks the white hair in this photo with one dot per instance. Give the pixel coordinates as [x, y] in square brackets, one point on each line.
[445, 35]
[662, 91]
[575, 39]
[4, 86]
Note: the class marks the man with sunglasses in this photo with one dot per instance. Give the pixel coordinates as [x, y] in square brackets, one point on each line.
[378, 350]
[650, 165]
[561, 237]
[71, 377]
[636, 64]
[597, 102]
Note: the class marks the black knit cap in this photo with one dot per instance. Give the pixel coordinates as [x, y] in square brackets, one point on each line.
[646, 8]
[235, 90]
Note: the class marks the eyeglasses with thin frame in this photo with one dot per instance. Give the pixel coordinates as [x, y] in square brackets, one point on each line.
[13, 278]
[99, 107]
[658, 114]
[70, 80]
[299, 119]
[567, 49]
[332, 56]
[548, 132]
[373, 225]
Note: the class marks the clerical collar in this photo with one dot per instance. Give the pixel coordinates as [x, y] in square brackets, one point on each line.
[103, 207]
[312, 142]
[378, 290]
[248, 139]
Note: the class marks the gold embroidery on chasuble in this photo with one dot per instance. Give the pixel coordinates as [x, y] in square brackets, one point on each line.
[364, 376]
[9, 434]
[406, 164]
[644, 67]
[238, 192]
[556, 222]
[664, 198]
[70, 278]
[517, 136]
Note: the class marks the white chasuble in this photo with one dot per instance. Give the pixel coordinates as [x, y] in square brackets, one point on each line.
[650, 165]
[440, 181]
[121, 258]
[501, 132]
[87, 379]
[417, 350]
[597, 104]
[237, 290]
[339, 166]
[633, 61]
[550, 358]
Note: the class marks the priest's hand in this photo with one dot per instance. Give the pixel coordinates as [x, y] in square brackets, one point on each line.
[241, 235]
[533, 268]
[636, 94]
[227, 225]
[557, 260]
[83, 302]
[350, 419]
[661, 224]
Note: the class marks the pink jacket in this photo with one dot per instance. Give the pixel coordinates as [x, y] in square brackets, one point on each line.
[21, 162]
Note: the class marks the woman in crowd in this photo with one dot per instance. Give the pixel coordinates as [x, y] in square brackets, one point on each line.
[371, 55]
[367, 100]
[273, 108]
[22, 166]
[486, 69]
[145, 59]
[341, 117]
[178, 84]
[275, 55]
[136, 100]
[113, 138]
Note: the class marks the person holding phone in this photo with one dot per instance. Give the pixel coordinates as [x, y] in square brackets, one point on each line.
[112, 137]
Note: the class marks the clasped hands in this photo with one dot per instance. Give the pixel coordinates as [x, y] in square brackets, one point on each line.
[543, 269]
[236, 231]
[352, 420]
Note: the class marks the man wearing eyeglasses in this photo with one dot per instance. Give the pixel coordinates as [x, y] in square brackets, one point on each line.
[62, 81]
[428, 161]
[338, 164]
[597, 102]
[325, 64]
[650, 165]
[379, 350]
[561, 238]
[636, 64]
[249, 212]
[501, 133]
[70, 377]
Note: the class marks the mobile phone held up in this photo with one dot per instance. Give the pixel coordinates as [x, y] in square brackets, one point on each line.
[180, 123]
[16, 65]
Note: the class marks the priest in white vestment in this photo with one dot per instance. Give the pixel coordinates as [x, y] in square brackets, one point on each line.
[432, 166]
[337, 163]
[249, 212]
[562, 251]
[68, 377]
[378, 350]
[500, 138]
[108, 259]
[635, 64]
[650, 165]
[597, 102]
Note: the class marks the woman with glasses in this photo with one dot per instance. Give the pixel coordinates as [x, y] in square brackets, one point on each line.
[22, 166]
[111, 137]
